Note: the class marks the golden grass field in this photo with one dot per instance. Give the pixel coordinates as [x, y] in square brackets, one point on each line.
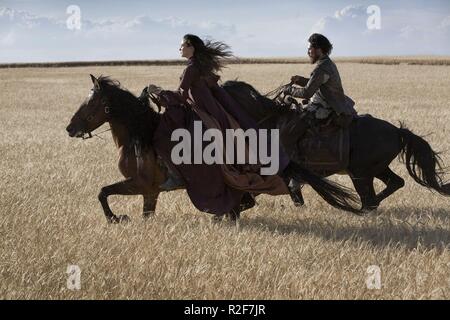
[50, 216]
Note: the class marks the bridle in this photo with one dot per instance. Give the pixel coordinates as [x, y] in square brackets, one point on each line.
[89, 118]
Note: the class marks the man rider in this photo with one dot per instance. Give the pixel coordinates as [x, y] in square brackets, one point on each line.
[324, 91]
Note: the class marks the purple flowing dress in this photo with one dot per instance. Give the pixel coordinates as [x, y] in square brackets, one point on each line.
[213, 188]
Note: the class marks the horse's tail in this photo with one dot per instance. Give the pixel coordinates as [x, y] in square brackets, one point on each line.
[333, 193]
[423, 163]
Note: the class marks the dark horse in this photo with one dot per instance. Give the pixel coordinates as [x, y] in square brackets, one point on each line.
[133, 122]
[374, 143]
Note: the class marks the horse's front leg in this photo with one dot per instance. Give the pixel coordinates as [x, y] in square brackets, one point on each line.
[138, 181]
[129, 186]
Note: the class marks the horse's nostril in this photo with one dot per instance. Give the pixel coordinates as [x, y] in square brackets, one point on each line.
[70, 130]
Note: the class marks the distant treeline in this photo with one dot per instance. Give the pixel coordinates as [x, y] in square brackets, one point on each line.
[423, 60]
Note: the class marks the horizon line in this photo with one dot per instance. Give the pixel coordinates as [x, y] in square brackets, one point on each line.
[375, 59]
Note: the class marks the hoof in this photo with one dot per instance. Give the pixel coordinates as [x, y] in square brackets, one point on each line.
[365, 211]
[232, 216]
[119, 219]
[148, 214]
[299, 204]
[217, 218]
[124, 219]
[237, 224]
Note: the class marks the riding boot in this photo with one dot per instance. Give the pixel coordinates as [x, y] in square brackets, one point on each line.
[173, 182]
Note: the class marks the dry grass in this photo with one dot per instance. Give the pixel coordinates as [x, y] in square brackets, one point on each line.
[50, 216]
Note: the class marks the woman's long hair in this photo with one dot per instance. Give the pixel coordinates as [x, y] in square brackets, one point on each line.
[209, 55]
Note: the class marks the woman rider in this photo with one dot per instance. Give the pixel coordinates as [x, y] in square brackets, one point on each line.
[214, 188]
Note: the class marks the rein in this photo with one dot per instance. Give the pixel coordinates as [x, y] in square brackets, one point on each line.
[278, 91]
[283, 103]
[91, 135]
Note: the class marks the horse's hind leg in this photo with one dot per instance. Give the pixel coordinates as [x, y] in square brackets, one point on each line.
[364, 188]
[234, 216]
[392, 181]
[149, 204]
[295, 191]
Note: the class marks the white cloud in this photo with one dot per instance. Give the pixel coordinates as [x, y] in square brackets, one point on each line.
[407, 31]
[7, 39]
[22, 19]
[349, 17]
[26, 37]
[445, 23]
[399, 34]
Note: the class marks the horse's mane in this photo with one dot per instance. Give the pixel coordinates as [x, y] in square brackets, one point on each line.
[260, 107]
[136, 114]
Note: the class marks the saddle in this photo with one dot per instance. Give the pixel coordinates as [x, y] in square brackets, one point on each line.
[324, 149]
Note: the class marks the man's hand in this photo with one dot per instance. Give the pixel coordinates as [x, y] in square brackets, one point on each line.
[287, 90]
[298, 80]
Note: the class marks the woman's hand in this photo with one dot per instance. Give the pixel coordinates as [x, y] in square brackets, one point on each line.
[153, 89]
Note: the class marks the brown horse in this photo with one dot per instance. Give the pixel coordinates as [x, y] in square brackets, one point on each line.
[132, 125]
[133, 122]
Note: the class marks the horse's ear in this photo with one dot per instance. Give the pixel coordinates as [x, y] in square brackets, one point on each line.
[95, 82]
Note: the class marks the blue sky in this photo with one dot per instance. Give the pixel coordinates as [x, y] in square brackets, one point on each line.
[138, 29]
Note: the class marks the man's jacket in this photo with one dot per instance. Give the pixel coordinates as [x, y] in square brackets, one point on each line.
[324, 88]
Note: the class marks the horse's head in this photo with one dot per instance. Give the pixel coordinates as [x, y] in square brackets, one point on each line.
[92, 113]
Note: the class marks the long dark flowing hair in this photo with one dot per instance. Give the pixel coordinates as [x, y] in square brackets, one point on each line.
[209, 55]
